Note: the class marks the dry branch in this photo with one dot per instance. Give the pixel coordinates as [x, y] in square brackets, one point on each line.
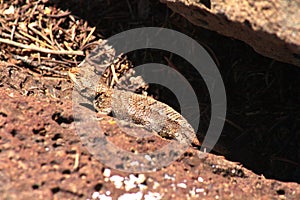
[40, 49]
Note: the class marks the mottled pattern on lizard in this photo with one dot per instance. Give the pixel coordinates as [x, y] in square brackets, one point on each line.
[146, 111]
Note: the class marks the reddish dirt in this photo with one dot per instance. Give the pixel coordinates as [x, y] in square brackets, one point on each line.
[42, 157]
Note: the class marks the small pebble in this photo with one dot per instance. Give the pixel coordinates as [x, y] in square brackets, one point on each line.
[95, 195]
[148, 158]
[200, 179]
[141, 178]
[152, 196]
[104, 197]
[106, 172]
[118, 180]
[131, 196]
[200, 190]
[130, 182]
[182, 185]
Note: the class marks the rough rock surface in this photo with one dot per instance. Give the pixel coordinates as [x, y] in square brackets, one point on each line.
[272, 28]
[42, 157]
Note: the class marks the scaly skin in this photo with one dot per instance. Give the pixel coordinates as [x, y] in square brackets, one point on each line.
[144, 110]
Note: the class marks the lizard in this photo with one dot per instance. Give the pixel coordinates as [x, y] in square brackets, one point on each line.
[139, 109]
[127, 105]
[146, 111]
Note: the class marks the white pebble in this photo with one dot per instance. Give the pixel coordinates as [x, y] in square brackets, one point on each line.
[106, 172]
[131, 196]
[148, 157]
[95, 195]
[200, 179]
[182, 185]
[118, 180]
[141, 178]
[130, 182]
[152, 196]
[115, 178]
[200, 190]
[104, 197]
[132, 177]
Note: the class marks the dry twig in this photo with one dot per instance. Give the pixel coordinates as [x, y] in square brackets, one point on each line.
[39, 49]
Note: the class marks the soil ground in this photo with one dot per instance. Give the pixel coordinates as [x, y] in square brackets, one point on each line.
[42, 157]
